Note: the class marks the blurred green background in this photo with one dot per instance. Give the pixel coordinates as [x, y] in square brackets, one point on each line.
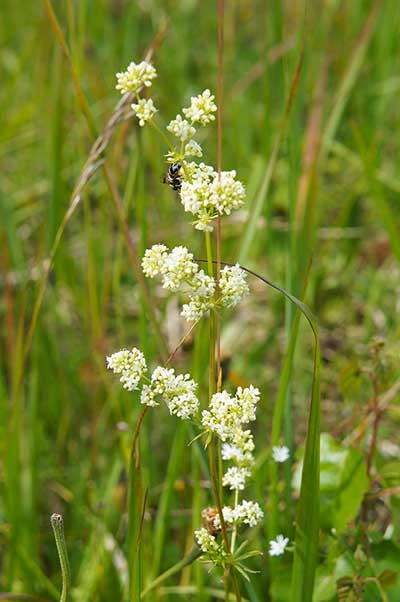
[328, 188]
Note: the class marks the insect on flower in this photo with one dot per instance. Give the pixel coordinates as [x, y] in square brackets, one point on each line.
[174, 176]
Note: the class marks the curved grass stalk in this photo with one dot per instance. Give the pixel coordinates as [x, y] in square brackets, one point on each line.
[58, 529]
[307, 522]
[190, 557]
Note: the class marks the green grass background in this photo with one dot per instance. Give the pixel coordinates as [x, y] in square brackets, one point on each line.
[330, 192]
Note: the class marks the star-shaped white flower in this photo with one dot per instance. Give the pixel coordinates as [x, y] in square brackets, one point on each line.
[277, 546]
[280, 453]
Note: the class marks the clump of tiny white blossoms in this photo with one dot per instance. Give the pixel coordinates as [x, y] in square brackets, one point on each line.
[136, 77]
[207, 194]
[144, 110]
[178, 391]
[209, 545]
[131, 365]
[181, 128]
[233, 285]
[203, 192]
[225, 417]
[180, 273]
[247, 513]
[201, 108]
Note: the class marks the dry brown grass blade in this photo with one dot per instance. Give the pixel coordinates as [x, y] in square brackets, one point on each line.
[93, 162]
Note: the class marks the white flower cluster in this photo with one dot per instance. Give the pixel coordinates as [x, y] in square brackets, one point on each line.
[208, 544]
[181, 128]
[225, 417]
[201, 108]
[226, 414]
[247, 513]
[200, 111]
[193, 149]
[235, 477]
[233, 285]
[180, 273]
[206, 194]
[144, 110]
[130, 364]
[178, 391]
[135, 76]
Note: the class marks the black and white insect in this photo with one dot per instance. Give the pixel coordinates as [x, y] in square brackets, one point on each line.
[173, 176]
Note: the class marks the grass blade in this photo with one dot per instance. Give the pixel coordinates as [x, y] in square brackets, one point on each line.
[307, 522]
[256, 209]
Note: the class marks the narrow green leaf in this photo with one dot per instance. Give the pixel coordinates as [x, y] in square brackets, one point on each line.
[307, 522]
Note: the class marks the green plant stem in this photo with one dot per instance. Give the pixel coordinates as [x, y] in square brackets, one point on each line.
[212, 448]
[194, 553]
[58, 529]
[163, 136]
[234, 532]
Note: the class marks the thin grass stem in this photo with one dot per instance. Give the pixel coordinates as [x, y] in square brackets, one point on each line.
[58, 529]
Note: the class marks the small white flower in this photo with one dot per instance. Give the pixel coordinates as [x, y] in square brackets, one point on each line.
[204, 223]
[233, 285]
[231, 452]
[192, 149]
[235, 478]
[277, 547]
[144, 110]
[201, 108]
[130, 364]
[280, 453]
[135, 76]
[239, 451]
[147, 397]
[206, 542]
[181, 128]
[229, 517]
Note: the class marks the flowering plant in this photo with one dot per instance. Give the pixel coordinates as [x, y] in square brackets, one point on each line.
[207, 194]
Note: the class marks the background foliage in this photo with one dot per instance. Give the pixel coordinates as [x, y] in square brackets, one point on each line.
[331, 194]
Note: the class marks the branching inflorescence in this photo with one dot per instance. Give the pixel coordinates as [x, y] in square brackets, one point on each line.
[206, 194]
